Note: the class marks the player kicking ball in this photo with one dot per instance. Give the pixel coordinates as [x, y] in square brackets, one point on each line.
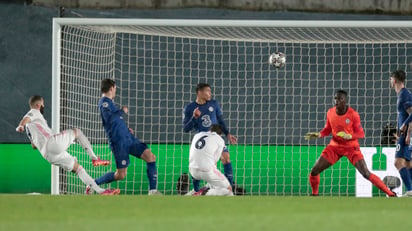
[205, 150]
[122, 141]
[53, 146]
[344, 124]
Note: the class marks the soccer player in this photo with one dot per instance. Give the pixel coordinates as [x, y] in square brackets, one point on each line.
[122, 141]
[404, 107]
[344, 124]
[53, 146]
[205, 150]
[199, 116]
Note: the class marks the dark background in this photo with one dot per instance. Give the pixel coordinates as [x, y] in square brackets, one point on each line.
[270, 107]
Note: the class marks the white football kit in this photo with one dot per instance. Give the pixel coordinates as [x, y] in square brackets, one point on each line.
[205, 151]
[51, 146]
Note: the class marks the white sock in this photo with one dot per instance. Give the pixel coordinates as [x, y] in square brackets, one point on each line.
[88, 180]
[85, 143]
[219, 192]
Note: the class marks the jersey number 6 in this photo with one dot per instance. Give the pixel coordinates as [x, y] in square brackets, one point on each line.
[200, 143]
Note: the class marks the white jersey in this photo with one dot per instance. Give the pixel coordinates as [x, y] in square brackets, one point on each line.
[37, 130]
[205, 150]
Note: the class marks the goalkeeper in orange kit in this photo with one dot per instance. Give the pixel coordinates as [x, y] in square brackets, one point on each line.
[344, 124]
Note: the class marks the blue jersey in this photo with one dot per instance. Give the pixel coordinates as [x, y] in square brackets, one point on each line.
[112, 118]
[210, 114]
[404, 102]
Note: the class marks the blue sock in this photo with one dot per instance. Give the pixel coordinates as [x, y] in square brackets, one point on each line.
[228, 172]
[106, 178]
[410, 173]
[406, 178]
[152, 175]
[196, 184]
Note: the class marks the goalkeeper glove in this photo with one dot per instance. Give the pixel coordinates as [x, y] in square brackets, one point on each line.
[312, 135]
[344, 135]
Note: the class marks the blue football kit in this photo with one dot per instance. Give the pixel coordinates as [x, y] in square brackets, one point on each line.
[403, 103]
[121, 141]
[210, 113]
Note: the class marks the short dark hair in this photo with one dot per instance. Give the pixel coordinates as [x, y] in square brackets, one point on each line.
[200, 86]
[399, 75]
[216, 128]
[106, 85]
[34, 99]
[342, 92]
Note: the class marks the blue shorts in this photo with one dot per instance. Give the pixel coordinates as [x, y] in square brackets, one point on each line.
[403, 150]
[121, 150]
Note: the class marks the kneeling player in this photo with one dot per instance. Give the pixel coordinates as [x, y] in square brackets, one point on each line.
[53, 146]
[344, 124]
[205, 150]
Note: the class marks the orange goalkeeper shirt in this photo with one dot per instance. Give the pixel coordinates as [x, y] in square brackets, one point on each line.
[348, 122]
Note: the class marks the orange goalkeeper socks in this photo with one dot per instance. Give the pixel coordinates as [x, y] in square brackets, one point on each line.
[314, 183]
[379, 183]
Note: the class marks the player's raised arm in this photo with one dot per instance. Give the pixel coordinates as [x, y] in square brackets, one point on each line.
[189, 117]
[324, 132]
[23, 123]
[21, 126]
[311, 135]
[125, 109]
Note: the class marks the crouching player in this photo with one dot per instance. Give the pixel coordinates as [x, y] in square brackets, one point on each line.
[205, 150]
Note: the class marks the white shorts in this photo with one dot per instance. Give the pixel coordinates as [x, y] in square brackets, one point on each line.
[56, 150]
[214, 177]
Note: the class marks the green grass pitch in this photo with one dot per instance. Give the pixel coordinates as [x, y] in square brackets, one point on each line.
[45, 212]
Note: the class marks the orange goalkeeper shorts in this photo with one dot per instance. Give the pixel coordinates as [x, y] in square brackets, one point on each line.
[333, 153]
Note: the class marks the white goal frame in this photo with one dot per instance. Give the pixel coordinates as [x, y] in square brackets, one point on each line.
[59, 22]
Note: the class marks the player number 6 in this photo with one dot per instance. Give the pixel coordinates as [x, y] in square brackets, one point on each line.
[200, 143]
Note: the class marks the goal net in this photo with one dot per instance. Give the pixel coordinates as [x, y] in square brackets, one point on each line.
[157, 64]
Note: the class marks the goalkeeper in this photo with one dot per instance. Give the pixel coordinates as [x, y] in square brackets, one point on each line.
[344, 124]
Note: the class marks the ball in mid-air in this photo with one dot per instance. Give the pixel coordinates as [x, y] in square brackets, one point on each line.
[277, 59]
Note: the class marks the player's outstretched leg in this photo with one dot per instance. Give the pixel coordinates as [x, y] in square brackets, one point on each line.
[375, 180]
[227, 166]
[314, 184]
[314, 178]
[85, 143]
[106, 178]
[151, 171]
[88, 180]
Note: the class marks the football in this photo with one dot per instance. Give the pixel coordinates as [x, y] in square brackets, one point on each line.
[277, 59]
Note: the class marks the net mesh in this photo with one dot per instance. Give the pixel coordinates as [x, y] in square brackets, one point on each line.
[157, 68]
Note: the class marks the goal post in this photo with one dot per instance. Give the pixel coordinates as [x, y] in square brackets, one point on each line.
[157, 63]
[56, 37]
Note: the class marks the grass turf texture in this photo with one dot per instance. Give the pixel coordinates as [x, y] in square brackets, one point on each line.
[45, 212]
